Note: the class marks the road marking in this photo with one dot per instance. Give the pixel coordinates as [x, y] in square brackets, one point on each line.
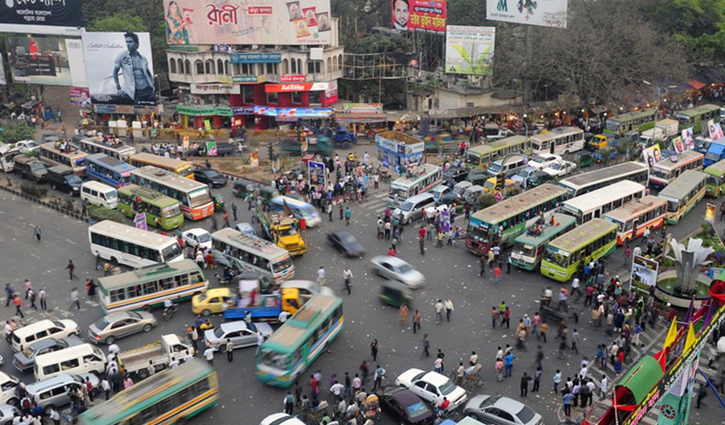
[70, 241]
[2, 212]
[35, 256]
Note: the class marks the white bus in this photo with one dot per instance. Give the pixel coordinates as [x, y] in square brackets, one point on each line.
[93, 145]
[667, 170]
[245, 252]
[195, 198]
[130, 246]
[559, 141]
[599, 202]
[580, 184]
[634, 217]
[418, 180]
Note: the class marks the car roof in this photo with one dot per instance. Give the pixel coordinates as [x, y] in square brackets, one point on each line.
[406, 397]
[112, 317]
[234, 326]
[215, 292]
[62, 379]
[508, 404]
[196, 231]
[434, 378]
[43, 343]
[392, 260]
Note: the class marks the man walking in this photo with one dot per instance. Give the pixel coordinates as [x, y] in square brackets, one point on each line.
[74, 300]
[421, 244]
[321, 276]
[525, 385]
[18, 304]
[37, 232]
[43, 299]
[439, 311]
[289, 402]
[347, 275]
[378, 377]
[234, 211]
[71, 267]
[448, 305]
[416, 321]
[348, 213]
[9, 294]
[508, 362]
[230, 349]
[497, 275]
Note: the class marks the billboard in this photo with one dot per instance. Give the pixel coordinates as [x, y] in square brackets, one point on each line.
[119, 68]
[419, 15]
[57, 17]
[80, 96]
[469, 50]
[652, 155]
[545, 13]
[270, 22]
[36, 60]
[644, 273]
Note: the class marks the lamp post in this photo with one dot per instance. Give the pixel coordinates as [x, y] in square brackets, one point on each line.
[526, 126]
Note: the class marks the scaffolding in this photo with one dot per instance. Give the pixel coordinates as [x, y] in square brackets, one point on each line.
[372, 66]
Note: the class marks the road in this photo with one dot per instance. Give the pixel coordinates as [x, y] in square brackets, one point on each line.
[450, 272]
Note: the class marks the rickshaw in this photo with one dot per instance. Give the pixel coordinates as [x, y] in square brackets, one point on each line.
[584, 159]
[266, 194]
[219, 204]
[371, 407]
[395, 294]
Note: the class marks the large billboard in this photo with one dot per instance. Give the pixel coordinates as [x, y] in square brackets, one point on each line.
[469, 50]
[419, 15]
[545, 13]
[58, 17]
[119, 68]
[36, 60]
[283, 22]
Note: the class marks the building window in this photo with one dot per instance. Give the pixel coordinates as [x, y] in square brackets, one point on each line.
[180, 65]
[172, 66]
[313, 67]
[247, 95]
[209, 66]
[315, 97]
[270, 68]
[297, 98]
[272, 98]
[299, 66]
[226, 67]
[199, 67]
[219, 67]
[294, 66]
[285, 67]
[187, 67]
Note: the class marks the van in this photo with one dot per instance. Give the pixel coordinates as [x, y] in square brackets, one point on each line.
[412, 208]
[61, 177]
[99, 194]
[513, 164]
[8, 386]
[41, 330]
[470, 195]
[54, 392]
[30, 168]
[82, 358]
[301, 210]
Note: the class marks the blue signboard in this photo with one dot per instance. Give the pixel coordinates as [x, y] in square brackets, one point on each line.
[269, 57]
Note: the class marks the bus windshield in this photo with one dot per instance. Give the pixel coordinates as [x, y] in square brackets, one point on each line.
[274, 359]
[478, 233]
[525, 249]
[612, 125]
[281, 265]
[398, 192]
[173, 211]
[171, 252]
[557, 257]
[199, 197]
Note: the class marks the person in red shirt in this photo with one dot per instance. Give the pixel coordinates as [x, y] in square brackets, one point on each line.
[421, 232]
[620, 356]
[315, 386]
[497, 275]
[507, 317]
[444, 404]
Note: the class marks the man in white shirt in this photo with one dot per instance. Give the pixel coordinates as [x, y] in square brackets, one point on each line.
[337, 389]
[347, 275]
[173, 364]
[283, 316]
[209, 355]
[260, 341]
[321, 275]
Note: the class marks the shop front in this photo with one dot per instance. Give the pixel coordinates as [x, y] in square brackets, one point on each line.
[120, 118]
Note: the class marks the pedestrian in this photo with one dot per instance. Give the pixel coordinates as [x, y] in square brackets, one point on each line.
[18, 304]
[348, 213]
[403, 313]
[537, 379]
[106, 387]
[55, 416]
[378, 377]
[567, 399]
[508, 361]
[627, 253]
[416, 321]
[483, 265]
[321, 276]
[230, 348]
[539, 356]
[441, 356]
[32, 297]
[209, 355]
[9, 294]
[701, 393]
[374, 350]
[74, 298]
[542, 331]
[225, 215]
[508, 264]
[329, 210]
[43, 299]
[603, 387]
[347, 275]
[234, 211]
[71, 267]
[507, 318]
[426, 345]
[37, 232]
[497, 275]
[557, 381]
[421, 244]
[574, 340]
[448, 305]
[341, 211]
[289, 402]
[439, 311]
[494, 316]
[90, 287]
[525, 385]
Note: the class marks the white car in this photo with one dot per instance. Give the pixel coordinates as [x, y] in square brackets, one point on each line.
[432, 387]
[396, 269]
[281, 419]
[560, 168]
[542, 161]
[26, 146]
[8, 387]
[197, 236]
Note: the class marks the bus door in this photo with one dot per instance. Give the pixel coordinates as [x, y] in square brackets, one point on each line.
[552, 146]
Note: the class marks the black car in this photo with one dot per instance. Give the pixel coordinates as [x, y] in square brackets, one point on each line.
[537, 178]
[211, 177]
[404, 406]
[346, 243]
[454, 175]
[61, 177]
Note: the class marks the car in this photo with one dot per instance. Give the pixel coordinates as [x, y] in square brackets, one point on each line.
[281, 419]
[560, 168]
[439, 191]
[25, 360]
[246, 228]
[537, 178]
[210, 177]
[211, 301]
[454, 175]
[53, 392]
[396, 269]
[243, 187]
[197, 236]
[7, 413]
[113, 326]
[241, 333]
[542, 161]
[404, 406]
[308, 288]
[522, 175]
[500, 410]
[27, 146]
[8, 389]
[432, 387]
[346, 243]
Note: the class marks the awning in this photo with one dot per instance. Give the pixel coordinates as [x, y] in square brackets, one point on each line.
[695, 84]
[360, 118]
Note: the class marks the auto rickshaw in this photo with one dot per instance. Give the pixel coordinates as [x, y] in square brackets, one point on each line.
[219, 204]
[266, 194]
[584, 159]
[396, 294]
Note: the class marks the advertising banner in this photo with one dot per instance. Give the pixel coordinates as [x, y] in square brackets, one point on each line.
[269, 57]
[119, 68]
[714, 129]
[215, 89]
[710, 212]
[644, 273]
[284, 88]
[469, 50]
[140, 221]
[36, 60]
[271, 111]
[52, 17]
[545, 13]
[688, 139]
[265, 22]
[3, 81]
[74, 49]
[652, 155]
[80, 96]
[419, 15]
[331, 93]
[292, 78]
[362, 108]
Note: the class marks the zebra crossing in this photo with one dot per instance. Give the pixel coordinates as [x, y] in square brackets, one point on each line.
[376, 202]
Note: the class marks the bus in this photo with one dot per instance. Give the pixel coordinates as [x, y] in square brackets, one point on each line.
[666, 171]
[176, 166]
[505, 221]
[245, 252]
[599, 202]
[147, 287]
[698, 116]
[588, 242]
[683, 194]
[634, 217]
[130, 246]
[172, 396]
[640, 120]
[71, 157]
[195, 198]
[559, 141]
[93, 145]
[715, 179]
[160, 210]
[109, 170]
[581, 184]
[529, 248]
[484, 155]
[286, 354]
[418, 180]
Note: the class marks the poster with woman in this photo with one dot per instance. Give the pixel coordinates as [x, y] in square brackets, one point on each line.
[677, 143]
[714, 129]
[688, 139]
[177, 24]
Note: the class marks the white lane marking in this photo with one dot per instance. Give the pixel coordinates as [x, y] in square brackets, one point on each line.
[35, 256]
[70, 241]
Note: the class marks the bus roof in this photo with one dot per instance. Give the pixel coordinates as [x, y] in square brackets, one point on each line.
[682, 157]
[682, 185]
[147, 392]
[98, 141]
[627, 210]
[421, 170]
[619, 189]
[556, 132]
[147, 273]
[582, 234]
[633, 115]
[498, 145]
[717, 169]
[149, 196]
[698, 110]
[294, 331]
[562, 222]
[132, 234]
[50, 147]
[158, 159]
[606, 173]
[168, 178]
[510, 207]
[251, 243]
[110, 162]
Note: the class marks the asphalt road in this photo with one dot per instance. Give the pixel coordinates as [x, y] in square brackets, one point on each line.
[450, 272]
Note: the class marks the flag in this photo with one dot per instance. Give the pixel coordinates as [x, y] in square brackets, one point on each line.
[708, 318]
[690, 338]
[690, 310]
[671, 334]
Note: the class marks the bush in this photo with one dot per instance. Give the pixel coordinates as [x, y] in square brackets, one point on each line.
[99, 214]
[486, 200]
[33, 189]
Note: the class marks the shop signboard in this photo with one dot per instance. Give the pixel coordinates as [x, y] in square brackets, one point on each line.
[292, 79]
[469, 50]
[49, 17]
[215, 89]
[262, 57]
[331, 93]
[293, 87]
[80, 96]
[243, 110]
[546, 13]
[362, 108]
[271, 111]
[245, 79]
[204, 110]
[419, 15]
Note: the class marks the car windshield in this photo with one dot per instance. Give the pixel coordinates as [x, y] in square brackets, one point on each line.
[31, 145]
[199, 197]
[473, 158]
[447, 387]
[202, 297]
[172, 211]
[211, 174]
[524, 173]
[28, 352]
[36, 166]
[495, 168]
[407, 206]
[489, 184]
[72, 179]
[101, 324]
[404, 268]
[663, 174]
[218, 332]
[538, 159]
[204, 237]
[134, 315]
[525, 415]
[557, 166]
[489, 401]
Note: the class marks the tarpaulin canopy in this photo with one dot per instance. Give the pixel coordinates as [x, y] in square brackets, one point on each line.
[697, 85]
[360, 118]
[640, 380]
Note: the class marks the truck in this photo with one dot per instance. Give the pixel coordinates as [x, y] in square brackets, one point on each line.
[715, 152]
[262, 307]
[283, 231]
[664, 129]
[345, 138]
[160, 353]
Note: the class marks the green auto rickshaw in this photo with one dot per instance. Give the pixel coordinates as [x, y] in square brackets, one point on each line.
[585, 159]
[396, 294]
[219, 205]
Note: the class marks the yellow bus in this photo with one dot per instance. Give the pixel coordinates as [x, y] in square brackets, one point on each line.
[51, 153]
[484, 155]
[182, 168]
[683, 194]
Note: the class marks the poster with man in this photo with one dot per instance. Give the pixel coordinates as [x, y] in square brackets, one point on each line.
[120, 68]
[644, 273]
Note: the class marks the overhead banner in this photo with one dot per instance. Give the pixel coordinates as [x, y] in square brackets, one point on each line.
[362, 108]
[51, 17]
[419, 15]
[272, 57]
[644, 273]
[545, 13]
[286, 88]
[37, 60]
[80, 96]
[270, 111]
[262, 22]
[469, 50]
[119, 68]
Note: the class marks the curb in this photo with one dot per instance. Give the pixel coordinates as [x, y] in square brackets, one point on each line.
[55, 207]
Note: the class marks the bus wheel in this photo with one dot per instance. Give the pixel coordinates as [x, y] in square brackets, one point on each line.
[146, 308]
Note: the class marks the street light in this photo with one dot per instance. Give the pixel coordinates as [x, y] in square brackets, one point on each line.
[526, 126]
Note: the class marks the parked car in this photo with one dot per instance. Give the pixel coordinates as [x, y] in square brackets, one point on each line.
[560, 168]
[210, 177]
[113, 326]
[241, 333]
[25, 360]
[432, 386]
[404, 406]
[346, 243]
[500, 410]
[27, 146]
[396, 269]
[542, 161]
[197, 236]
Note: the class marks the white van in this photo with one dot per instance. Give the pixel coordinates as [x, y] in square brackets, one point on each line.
[41, 330]
[100, 194]
[82, 358]
[8, 386]
[412, 208]
[513, 164]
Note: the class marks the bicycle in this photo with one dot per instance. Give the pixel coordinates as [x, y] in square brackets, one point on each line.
[169, 312]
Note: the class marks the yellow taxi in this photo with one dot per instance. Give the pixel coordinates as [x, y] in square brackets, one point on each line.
[210, 302]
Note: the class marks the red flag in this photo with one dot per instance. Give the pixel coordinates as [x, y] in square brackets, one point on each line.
[303, 224]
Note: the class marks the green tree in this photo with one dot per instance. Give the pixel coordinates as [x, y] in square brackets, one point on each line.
[15, 131]
[118, 22]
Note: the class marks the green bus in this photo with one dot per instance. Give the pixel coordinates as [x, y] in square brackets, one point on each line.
[484, 155]
[303, 337]
[640, 120]
[698, 116]
[588, 242]
[530, 247]
[171, 396]
[715, 179]
[683, 194]
[161, 211]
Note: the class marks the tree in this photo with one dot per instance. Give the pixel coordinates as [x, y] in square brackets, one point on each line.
[16, 131]
[118, 22]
